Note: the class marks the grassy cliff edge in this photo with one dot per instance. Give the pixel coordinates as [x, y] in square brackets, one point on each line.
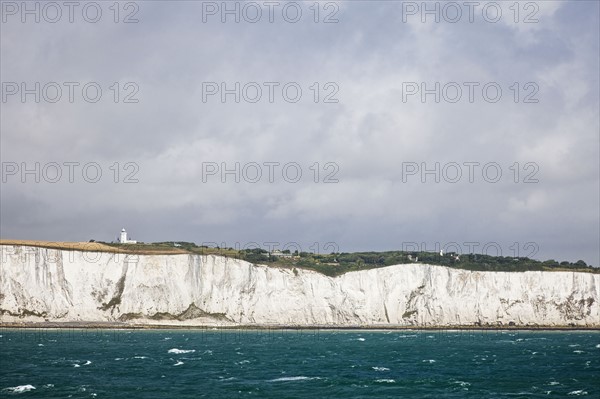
[332, 264]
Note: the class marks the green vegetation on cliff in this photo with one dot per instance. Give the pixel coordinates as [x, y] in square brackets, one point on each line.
[335, 264]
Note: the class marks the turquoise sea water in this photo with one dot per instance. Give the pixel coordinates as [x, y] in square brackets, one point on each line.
[298, 364]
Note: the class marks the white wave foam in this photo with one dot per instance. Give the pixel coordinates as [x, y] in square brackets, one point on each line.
[87, 362]
[380, 368]
[20, 388]
[577, 393]
[428, 361]
[462, 383]
[179, 351]
[244, 362]
[360, 339]
[76, 365]
[554, 383]
[49, 386]
[297, 378]
[386, 381]
[140, 357]
[179, 363]
[578, 351]
[167, 338]
[598, 346]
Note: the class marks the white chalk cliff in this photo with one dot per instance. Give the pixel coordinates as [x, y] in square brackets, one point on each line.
[38, 284]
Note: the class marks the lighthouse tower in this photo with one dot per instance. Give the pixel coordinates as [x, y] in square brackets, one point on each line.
[123, 238]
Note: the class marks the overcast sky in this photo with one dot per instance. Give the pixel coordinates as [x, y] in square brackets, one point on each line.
[162, 144]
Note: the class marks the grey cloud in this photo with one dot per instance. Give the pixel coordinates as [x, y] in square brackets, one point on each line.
[171, 132]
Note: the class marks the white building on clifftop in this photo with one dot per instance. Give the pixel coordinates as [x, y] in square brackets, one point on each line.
[123, 238]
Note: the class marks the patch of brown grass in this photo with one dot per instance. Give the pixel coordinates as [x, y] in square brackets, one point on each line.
[94, 247]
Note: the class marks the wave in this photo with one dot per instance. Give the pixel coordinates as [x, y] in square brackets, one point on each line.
[20, 388]
[386, 381]
[179, 363]
[179, 351]
[298, 378]
[462, 383]
[577, 393]
[380, 368]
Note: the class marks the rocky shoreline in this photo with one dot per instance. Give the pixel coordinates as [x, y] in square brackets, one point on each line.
[127, 326]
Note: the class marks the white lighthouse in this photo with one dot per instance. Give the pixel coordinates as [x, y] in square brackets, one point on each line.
[123, 238]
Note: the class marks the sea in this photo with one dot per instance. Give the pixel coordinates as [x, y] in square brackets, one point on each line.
[275, 363]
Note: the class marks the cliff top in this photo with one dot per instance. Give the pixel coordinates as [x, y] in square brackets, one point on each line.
[142, 249]
[333, 264]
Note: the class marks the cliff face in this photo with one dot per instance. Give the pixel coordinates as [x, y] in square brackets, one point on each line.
[38, 284]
